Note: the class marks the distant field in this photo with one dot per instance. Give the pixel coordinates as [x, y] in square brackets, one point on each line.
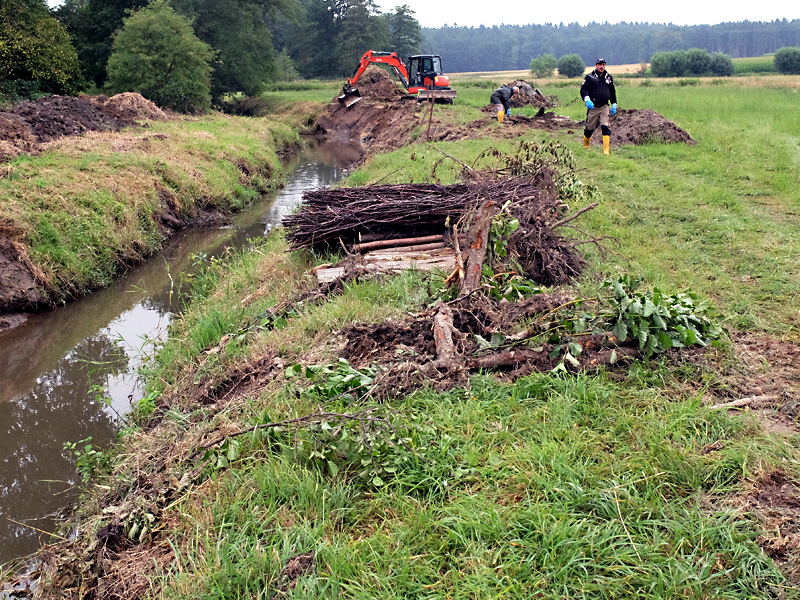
[525, 73]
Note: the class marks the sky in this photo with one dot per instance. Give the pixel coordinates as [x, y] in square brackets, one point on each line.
[473, 13]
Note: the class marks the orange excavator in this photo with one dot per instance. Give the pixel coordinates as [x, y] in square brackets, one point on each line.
[423, 79]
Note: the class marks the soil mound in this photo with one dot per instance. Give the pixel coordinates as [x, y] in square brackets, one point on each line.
[646, 126]
[376, 84]
[34, 122]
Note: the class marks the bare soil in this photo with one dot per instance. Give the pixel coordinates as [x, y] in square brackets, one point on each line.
[382, 121]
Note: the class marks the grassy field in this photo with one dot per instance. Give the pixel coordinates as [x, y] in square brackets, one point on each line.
[618, 483]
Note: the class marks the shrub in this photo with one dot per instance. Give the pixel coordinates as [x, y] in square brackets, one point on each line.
[157, 54]
[721, 64]
[543, 65]
[571, 65]
[787, 60]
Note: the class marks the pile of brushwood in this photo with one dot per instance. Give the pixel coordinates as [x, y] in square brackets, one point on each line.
[530, 192]
[504, 226]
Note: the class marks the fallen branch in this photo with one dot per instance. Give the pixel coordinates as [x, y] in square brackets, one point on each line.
[396, 242]
[575, 215]
[747, 401]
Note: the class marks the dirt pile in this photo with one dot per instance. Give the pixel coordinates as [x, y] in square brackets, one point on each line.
[645, 126]
[377, 85]
[35, 122]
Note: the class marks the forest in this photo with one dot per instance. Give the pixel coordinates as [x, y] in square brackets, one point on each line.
[242, 46]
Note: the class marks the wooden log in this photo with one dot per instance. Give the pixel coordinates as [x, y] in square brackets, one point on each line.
[416, 248]
[477, 238]
[396, 243]
[443, 328]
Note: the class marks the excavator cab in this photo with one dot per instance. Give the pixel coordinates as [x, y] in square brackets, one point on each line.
[427, 80]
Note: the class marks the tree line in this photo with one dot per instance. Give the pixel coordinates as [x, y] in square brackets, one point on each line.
[506, 47]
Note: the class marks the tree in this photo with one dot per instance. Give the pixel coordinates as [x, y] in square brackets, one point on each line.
[157, 54]
[571, 65]
[91, 23]
[405, 32]
[787, 60]
[722, 64]
[543, 65]
[698, 62]
[238, 30]
[35, 51]
[360, 29]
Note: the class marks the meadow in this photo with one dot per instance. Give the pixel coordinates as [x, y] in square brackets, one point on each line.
[613, 483]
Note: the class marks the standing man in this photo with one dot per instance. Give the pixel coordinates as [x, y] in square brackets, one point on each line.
[597, 90]
[501, 99]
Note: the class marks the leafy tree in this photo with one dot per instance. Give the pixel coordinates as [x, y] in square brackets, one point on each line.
[405, 32]
[360, 29]
[35, 50]
[238, 30]
[698, 62]
[571, 65]
[787, 61]
[91, 23]
[543, 65]
[157, 54]
[722, 64]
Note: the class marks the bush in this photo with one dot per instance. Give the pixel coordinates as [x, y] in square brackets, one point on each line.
[543, 65]
[697, 62]
[571, 65]
[721, 65]
[157, 54]
[787, 60]
[36, 54]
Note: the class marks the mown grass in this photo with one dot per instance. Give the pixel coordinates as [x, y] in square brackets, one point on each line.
[86, 207]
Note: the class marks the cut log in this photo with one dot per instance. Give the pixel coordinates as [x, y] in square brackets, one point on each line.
[366, 246]
[477, 239]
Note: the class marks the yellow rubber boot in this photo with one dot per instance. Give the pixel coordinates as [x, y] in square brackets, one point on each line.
[586, 141]
[500, 116]
[606, 144]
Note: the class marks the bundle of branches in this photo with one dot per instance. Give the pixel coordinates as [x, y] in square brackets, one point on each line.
[373, 212]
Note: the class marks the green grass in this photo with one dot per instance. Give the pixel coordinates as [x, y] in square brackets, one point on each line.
[596, 485]
[85, 211]
[553, 487]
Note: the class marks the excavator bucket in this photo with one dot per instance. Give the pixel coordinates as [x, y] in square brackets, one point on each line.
[350, 95]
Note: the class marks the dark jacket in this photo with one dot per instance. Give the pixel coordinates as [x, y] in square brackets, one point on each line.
[600, 89]
[502, 95]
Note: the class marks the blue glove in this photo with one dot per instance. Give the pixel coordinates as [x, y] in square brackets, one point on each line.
[589, 103]
[613, 109]
[508, 113]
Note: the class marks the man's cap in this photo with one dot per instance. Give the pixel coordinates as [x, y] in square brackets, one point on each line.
[600, 60]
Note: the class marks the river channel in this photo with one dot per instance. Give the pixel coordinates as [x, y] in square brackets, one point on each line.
[56, 367]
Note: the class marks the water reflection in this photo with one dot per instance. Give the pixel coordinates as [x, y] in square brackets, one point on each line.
[54, 365]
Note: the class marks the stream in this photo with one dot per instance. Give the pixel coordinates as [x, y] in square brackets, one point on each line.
[57, 367]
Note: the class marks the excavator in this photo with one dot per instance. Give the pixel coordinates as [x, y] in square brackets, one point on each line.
[423, 79]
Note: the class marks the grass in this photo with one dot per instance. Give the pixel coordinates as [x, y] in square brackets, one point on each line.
[87, 207]
[593, 485]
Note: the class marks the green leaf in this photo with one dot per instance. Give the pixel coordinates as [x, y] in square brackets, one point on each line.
[664, 340]
[620, 330]
[377, 481]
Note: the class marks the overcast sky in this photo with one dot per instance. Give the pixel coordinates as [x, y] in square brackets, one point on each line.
[473, 13]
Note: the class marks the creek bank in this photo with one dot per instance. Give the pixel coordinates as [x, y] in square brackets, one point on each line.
[178, 185]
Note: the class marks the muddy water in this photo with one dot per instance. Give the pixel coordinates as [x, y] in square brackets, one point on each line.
[56, 367]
